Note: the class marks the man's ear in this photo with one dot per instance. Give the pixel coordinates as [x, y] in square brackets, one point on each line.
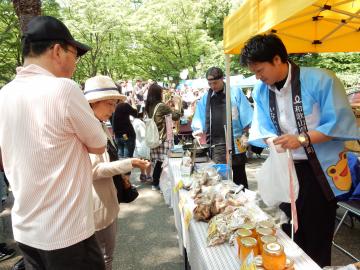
[56, 52]
[276, 60]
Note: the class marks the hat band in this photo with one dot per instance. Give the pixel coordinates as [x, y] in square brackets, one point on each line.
[100, 90]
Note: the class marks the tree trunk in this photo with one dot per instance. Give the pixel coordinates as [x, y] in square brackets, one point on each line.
[26, 10]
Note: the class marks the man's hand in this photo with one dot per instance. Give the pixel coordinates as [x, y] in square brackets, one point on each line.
[287, 141]
[140, 163]
[200, 136]
[244, 140]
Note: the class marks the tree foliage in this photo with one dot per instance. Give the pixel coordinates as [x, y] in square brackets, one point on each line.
[154, 39]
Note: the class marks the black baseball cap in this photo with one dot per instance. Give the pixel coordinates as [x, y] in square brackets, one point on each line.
[47, 28]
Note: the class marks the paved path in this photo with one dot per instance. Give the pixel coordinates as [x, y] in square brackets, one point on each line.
[147, 239]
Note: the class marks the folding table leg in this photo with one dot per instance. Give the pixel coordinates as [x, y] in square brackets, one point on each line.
[336, 245]
[341, 222]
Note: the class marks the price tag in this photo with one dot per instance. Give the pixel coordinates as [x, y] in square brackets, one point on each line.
[179, 186]
[181, 204]
[249, 262]
[187, 217]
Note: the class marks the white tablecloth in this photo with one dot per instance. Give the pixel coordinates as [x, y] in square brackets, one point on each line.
[193, 238]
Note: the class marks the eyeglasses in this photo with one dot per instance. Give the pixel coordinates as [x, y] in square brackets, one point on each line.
[74, 53]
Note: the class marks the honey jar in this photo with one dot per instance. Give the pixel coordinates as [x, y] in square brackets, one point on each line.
[273, 256]
[241, 233]
[249, 226]
[260, 232]
[289, 264]
[267, 224]
[248, 244]
[258, 261]
[266, 239]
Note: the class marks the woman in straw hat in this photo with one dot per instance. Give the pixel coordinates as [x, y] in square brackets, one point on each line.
[103, 96]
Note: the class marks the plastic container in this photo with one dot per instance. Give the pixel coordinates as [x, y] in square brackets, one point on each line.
[222, 170]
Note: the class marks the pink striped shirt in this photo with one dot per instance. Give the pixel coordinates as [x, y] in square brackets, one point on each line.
[45, 126]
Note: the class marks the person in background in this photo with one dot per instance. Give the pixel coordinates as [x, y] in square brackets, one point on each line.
[48, 165]
[304, 110]
[157, 155]
[124, 132]
[101, 92]
[139, 95]
[210, 118]
[5, 252]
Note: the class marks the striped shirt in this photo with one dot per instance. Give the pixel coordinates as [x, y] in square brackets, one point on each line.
[45, 126]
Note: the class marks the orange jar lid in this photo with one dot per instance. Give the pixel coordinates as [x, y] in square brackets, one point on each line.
[248, 241]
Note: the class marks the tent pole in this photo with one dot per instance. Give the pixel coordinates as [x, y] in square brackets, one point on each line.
[228, 118]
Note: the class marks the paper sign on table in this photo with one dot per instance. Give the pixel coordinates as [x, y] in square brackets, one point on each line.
[187, 217]
[248, 263]
[178, 186]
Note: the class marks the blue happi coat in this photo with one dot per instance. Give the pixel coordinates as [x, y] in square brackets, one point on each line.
[323, 98]
[241, 113]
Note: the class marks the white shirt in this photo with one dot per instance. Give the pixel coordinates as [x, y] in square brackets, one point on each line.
[45, 126]
[286, 114]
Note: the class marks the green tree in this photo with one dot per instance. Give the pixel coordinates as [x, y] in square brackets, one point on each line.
[10, 56]
[10, 37]
[167, 38]
[101, 25]
[26, 10]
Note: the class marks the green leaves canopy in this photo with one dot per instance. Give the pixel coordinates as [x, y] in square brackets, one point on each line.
[154, 39]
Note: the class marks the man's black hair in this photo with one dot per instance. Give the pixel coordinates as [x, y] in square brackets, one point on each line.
[215, 72]
[263, 48]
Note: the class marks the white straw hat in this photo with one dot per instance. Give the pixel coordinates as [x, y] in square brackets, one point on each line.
[101, 88]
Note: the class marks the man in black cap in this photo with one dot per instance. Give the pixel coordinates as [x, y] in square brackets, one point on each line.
[210, 118]
[48, 164]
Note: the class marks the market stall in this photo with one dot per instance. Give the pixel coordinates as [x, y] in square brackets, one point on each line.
[193, 234]
[304, 26]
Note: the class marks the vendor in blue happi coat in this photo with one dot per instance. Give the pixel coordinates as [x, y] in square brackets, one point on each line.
[304, 110]
[210, 118]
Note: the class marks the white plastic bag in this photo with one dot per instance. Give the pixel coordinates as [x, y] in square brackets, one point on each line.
[274, 179]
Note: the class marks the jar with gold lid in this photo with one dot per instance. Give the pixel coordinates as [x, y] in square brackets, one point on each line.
[249, 226]
[267, 224]
[273, 256]
[260, 232]
[241, 233]
[248, 244]
[266, 239]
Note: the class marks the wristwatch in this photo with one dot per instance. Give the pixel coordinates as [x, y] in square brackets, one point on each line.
[304, 139]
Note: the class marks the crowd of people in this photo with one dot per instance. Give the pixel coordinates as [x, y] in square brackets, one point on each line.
[61, 167]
